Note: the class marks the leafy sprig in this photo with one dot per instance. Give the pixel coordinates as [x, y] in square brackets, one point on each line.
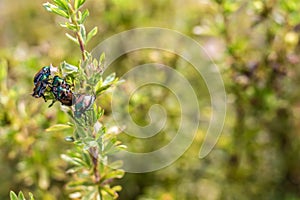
[76, 18]
[91, 172]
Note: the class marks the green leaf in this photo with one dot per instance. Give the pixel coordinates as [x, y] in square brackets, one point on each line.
[80, 184]
[62, 4]
[119, 173]
[73, 160]
[82, 33]
[77, 4]
[100, 112]
[82, 2]
[90, 194]
[108, 80]
[107, 83]
[110, 191]
[87, 159]
[69, 26]
[80, 132]
[54, 9]
[117, 188]
[72, 38]
[58, 127]
[85, 14]
[68, 68]
[31, 196]
[13, 196]
[122, 146]
[21, 196]
[91, 34]
[102, 58]
[48, 6]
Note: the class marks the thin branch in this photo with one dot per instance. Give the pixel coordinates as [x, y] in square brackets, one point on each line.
[81, 45]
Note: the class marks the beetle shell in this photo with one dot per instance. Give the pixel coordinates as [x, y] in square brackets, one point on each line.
[40, 81]
[39, 89]
[64, 95]
[57, 81]
[61, 91]
[42, 75]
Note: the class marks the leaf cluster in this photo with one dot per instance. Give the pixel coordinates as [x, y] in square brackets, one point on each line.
[20, 196]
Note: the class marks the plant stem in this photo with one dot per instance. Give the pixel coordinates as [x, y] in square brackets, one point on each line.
[93, 151]
[81, 45]
[73, 19]
[99, 191]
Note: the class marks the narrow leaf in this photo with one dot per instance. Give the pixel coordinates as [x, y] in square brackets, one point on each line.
[109, 79]
[54, 9]
[119, 173]
[117, 188]
[68, 68]
[69, 26]
[102, 58]
[31, 196]
[74, 161]
[110, 191]
[13, 196]
[58, 127]
[62, 4]
[48, 6]
[91, 34]
[85, 14]
[77, 4]
[82, 2]
[89, 195]
[21, 196]
[72, 38]
[83, 33]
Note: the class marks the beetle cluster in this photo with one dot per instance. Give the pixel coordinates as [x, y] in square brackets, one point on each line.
[61, 91]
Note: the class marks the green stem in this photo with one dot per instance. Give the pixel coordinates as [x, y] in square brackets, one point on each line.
[94, 156]
[99, 191]
[73, 18]
[81, 45]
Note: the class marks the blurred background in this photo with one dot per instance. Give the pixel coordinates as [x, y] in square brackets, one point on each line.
[256, 47]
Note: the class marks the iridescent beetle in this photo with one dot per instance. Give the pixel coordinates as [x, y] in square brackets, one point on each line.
[42, 75]
[83, 102]
[41, 82]
[57, 81]
[61, 91]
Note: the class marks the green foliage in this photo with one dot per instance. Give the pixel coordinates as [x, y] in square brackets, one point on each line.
[255, 45]
[20, 196]
[75, 23]
[93, 145]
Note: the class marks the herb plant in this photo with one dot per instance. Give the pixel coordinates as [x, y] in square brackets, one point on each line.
[77, 88]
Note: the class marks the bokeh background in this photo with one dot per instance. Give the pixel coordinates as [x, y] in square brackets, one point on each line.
[256, 47]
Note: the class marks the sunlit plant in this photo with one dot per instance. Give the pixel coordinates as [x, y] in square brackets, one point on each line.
[20, 196]
[77, 88]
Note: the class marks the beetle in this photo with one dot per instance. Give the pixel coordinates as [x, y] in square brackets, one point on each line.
[63, 95]
[40, 81]
[83, 102]
[62, 92]
[42, 75]
[57, 81]
[39, 90]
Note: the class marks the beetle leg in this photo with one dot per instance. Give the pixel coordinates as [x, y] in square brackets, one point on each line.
[53, 101]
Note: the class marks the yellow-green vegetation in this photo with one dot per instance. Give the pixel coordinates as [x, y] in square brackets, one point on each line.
[256, 46]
